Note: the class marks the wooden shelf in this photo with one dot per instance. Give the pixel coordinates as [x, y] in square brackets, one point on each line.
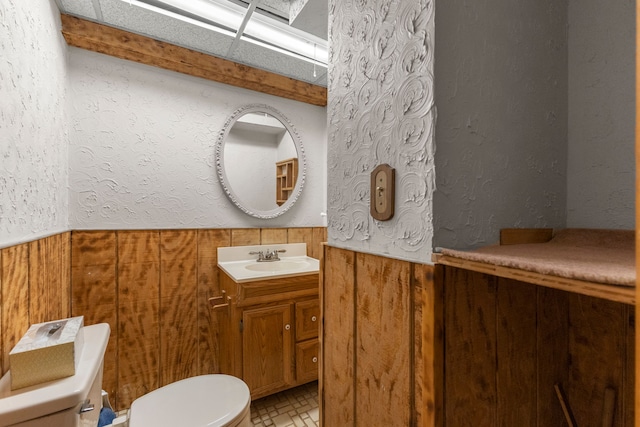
[623, 294]
[611, 292]
[286, 178]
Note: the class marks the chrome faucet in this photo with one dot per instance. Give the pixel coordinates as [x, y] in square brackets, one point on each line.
[268, 255]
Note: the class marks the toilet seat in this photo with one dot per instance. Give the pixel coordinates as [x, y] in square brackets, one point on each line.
[205, 400]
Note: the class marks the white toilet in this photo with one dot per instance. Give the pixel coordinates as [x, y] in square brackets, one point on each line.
[206, 400]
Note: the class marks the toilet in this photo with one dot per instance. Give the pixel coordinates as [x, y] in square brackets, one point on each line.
[205, 400]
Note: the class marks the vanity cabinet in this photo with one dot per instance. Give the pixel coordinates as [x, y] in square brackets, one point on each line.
[268, 332]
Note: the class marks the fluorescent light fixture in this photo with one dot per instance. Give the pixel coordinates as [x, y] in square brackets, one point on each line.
[225, 13]
[283, 51]
[260, 30]
[183, 18]
[277, 34]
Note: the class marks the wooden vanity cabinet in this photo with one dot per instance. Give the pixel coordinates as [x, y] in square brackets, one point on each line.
[269, 332]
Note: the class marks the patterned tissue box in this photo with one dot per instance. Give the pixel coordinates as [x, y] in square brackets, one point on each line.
[47, 351]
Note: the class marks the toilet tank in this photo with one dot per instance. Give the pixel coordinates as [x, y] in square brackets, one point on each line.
[65, 402]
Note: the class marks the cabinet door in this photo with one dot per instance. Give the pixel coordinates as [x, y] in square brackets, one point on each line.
[307, 319]
[307, 361]
[267, 347]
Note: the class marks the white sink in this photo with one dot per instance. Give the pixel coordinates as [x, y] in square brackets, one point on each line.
[242, 266]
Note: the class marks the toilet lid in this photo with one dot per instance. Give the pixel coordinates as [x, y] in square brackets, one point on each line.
[205, 400]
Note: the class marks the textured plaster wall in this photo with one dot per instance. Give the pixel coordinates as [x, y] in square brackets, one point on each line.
[381, 111]
[142, 149]
[501, 136]
[258, 155]
[601, 171]
[33, 124]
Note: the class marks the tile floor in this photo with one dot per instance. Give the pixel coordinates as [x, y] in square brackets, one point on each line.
[297, 407]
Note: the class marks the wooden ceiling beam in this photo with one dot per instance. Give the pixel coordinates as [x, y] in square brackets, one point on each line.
[145, 50]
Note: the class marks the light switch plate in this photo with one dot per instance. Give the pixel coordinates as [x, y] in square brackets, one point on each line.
[382, 196]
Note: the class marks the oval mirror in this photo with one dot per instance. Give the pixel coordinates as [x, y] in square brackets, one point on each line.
[260, 161]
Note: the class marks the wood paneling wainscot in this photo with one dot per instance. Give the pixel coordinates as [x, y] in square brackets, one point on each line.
[34, 287]
[381, 341]
[152, 287]
[421, 345]
[94, 291]
[509, 343]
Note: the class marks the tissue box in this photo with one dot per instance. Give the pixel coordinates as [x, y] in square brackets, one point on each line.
[48, 351]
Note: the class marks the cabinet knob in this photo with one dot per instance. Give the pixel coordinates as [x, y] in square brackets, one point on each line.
[315, 360]
[287, 327]
[314, 318]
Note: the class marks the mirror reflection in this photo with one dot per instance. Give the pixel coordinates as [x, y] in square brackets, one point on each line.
[259, 161]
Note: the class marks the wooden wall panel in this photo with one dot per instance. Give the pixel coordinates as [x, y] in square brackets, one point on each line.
[338, 339]
[428, 348]
[302, 235]
[15, 298]
[117, 277]
[470, 348]
[516, 346]
[501, 367]
[138, 314]
[38, 295]
[553, 352]
[208, 286]
[35, 287]
[65, 273]
[383, 341]
[269, 236]
[319, 237]
[597, 345]
[178, 305]
[52, 278]
[245, 236]
[628, 377]
[94, 292]
[48, 278]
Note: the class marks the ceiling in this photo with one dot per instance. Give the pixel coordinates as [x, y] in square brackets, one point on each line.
[171, 25]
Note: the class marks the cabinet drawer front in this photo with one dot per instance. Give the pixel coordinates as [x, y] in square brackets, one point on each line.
[307, 363]
[307, 319]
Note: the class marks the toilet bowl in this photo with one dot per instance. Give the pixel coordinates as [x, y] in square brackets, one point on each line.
[206, 400]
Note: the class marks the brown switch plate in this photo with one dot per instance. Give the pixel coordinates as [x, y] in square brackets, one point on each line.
[383, 190]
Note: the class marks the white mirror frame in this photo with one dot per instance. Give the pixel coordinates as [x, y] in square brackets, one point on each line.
[222, 175]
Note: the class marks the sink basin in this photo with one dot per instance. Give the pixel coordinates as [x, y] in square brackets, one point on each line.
[240, 262]
[277, 266]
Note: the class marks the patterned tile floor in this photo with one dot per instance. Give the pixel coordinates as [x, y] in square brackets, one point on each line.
[297, 407]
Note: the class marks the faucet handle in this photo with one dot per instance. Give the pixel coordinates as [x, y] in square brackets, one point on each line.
[275, 253]
[259, 253]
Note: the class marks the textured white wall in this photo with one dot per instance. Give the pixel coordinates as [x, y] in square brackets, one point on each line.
[501, 95]
[142, 149]
[254, 182]
[601, 171]
[33, 124]
[381, 111]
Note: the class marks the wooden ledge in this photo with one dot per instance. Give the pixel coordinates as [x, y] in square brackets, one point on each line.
[145, 50]
[623, 294]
